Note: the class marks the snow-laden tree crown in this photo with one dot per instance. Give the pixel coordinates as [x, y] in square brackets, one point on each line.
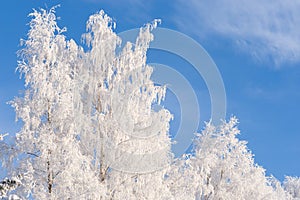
[89, 130]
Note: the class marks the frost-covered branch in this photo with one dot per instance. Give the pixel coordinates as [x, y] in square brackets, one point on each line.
[2, 136]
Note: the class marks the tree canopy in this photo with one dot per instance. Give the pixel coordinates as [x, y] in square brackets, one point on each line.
[89, 130]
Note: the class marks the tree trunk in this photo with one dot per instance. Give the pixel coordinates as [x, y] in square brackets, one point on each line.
[49, 172]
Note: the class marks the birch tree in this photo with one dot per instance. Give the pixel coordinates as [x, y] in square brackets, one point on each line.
[125, 135]
[51, 165]
[221, 167]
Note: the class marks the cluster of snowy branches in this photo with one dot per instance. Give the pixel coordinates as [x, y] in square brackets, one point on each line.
[89, 131]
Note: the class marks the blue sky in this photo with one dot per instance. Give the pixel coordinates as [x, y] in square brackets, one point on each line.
[256, 46]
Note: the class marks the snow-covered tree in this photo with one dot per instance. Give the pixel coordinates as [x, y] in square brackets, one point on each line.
[52, 165]
[124, 134]
[89, 130]
[88, 121]
[221, 167]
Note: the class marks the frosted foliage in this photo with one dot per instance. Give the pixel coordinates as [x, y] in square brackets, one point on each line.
[222, 168]
[120, 93]
[73, 112]
[2, 136]
[292, 186]
[89, 130]
[52, 165]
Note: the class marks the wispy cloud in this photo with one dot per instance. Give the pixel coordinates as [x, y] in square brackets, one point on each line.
[265, 28]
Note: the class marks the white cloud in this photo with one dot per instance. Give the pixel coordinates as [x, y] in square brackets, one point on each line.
[266, 28]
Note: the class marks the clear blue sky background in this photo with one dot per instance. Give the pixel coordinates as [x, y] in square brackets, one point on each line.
[255, 45]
